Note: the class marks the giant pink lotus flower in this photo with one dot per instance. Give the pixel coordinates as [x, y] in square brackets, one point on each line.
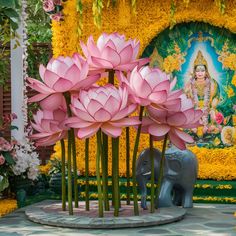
[50, 125]
[148, 85]
[102, 107]
[162, 121]
[112, 51]
[61, 75]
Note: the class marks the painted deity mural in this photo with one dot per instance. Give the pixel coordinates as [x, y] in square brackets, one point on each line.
[203, 59]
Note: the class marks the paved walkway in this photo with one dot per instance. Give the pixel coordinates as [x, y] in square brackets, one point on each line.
[203, 219]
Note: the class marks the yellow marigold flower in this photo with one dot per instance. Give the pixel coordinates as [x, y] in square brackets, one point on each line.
[234, 80]
[231, 92]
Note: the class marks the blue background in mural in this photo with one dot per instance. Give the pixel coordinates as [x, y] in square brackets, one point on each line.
[214, 66]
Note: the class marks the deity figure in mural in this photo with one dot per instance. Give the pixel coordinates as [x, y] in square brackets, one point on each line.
[205, 94]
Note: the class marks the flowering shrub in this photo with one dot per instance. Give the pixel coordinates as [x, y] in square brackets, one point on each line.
[27, 162]
[16, 158]
[7, 153]
[54, 9]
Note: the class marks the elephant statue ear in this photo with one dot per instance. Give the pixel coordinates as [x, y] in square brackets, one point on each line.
[174, 168]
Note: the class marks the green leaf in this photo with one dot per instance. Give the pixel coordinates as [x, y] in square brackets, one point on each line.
[8, 158]
[12, 127]
[11, 13]
[3, 183]
[7, 3]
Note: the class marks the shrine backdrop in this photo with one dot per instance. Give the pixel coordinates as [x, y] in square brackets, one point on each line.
[175, 34]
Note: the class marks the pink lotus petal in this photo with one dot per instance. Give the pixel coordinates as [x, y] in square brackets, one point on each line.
[158, 97]
[92, 47]
[84, 49]
[143, 61]
[112, 105]
[177, 119]
[50, 78]
[94, 106]
[126, 54]
[99, 62]
[126, 67]
[102, 115]
[125, 112]
[42, 70]
[37, 97]
[111, 55]
[125, 122]
[62, 85]
[164, 85]
[59, 67]
[158, 129]
[39, 86]
[185, 137]
[75, 122]
[72, 74]
[110, 130]
[88, 131]
[178, 142]
[52, 102]
[82, 115]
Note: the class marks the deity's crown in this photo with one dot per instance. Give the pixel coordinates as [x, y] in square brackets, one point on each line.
[200, 60]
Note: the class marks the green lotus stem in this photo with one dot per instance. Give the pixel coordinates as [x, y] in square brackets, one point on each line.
[70, 204]
[73, 146]
[115, 173]
[128, 165]
[105, 170]
[87, 174]
[161, 169]
[111, 77]
[76, 194]
[111, 80]
[100, 197]
[136, 144]
[63, 175]
[152, 209]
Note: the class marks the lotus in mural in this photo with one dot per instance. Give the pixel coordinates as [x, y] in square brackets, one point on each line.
[112, 51]
[61, 75]
[103, 107]
[50, 126]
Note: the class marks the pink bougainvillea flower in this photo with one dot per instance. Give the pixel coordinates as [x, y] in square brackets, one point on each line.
[162, 121]
[5, 145]
[50, 126]
[57, 16]
[57, 2]
[61, 75]
[112, 51]
[102, 107]
[219, 118]
[48, 5]
[146, 85]
[2, 159]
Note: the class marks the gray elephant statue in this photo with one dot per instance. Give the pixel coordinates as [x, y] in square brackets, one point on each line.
[180, 174]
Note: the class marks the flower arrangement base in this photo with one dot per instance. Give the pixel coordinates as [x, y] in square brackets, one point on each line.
[49, 213]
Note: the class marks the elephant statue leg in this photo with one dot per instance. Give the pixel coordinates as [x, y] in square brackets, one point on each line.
[177, 196]
[165, 197]
[188, 199]
[142, 180]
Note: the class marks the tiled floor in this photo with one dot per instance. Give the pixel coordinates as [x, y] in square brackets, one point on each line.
[203, 219]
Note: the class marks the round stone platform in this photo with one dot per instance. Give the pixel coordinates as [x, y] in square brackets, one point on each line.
[49, 213]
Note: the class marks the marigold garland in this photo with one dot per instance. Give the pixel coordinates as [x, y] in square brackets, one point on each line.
[7, 206]
[150, 19]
